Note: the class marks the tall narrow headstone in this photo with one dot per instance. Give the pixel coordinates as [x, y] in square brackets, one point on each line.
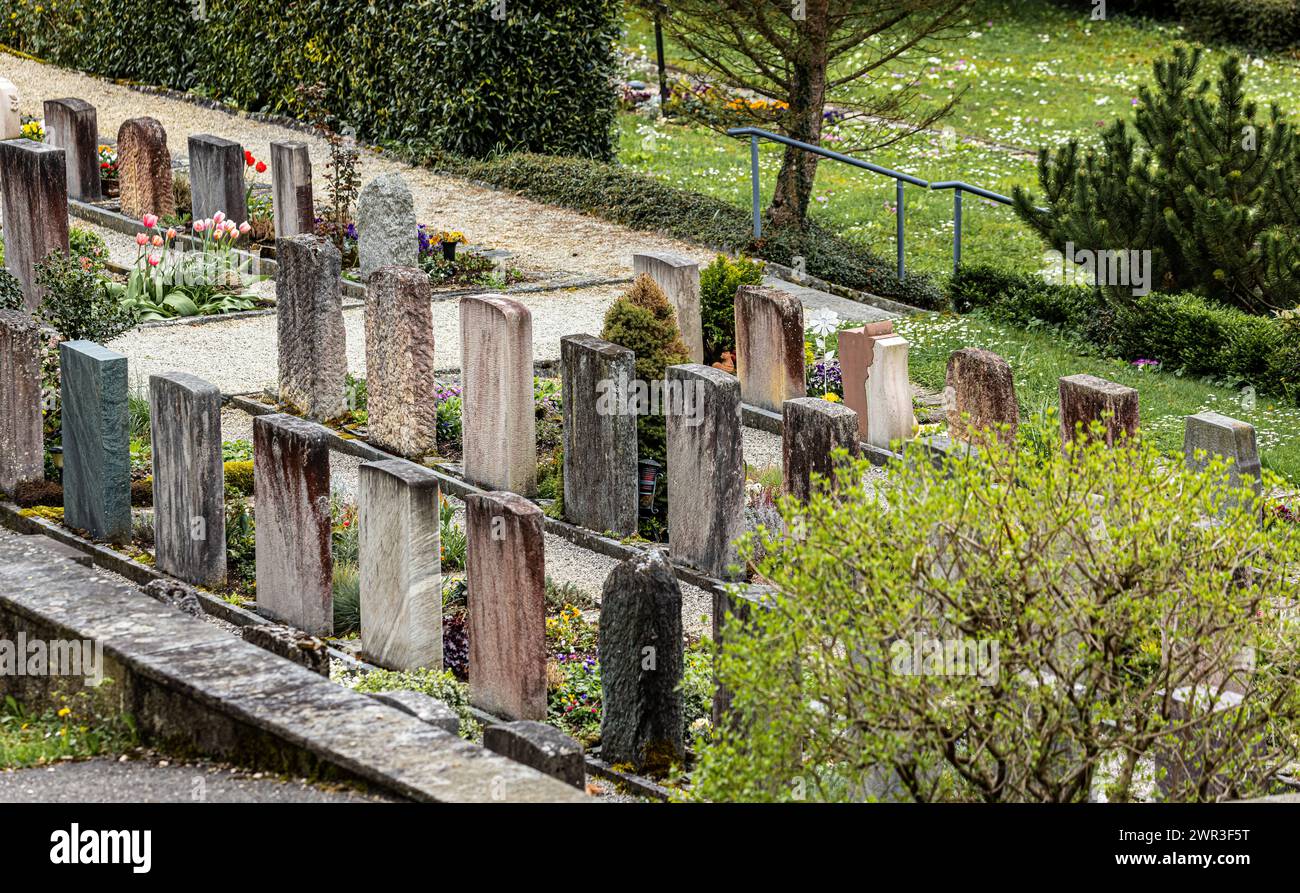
[73, 126]
[399, 361]
[857, 352]
[1210, 434]
[22, 448]
[507, 605]
[291, 193]
[706, 468]
[312, 344]
[812, 429]
[386, 228]
[1086, 399]
[188, 478]
[11, 120]
[498, 421]
[732, 609]
[769, 346]
[679, 277]
[889, 393]
[34, 206]
[641, 665]
[217, 178]
[980, 395]
[600, 449]
[401, 571]
[144, 169]
[295, 564]
[96, 441]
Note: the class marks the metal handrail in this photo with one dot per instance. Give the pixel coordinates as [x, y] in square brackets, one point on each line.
[900, 178]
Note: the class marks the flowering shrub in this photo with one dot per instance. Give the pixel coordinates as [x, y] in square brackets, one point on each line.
[720, 108]
[107, 163]
[34, 130]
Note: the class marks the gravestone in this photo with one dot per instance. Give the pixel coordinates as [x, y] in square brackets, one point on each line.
[399, 361]
[11, 120]
[217, 178]
[641, 665]
[732, 609]
[73, 126]
[498, 419]
[889, 393]
[679, 278]
[144, 169]
[980, 394]
[291, 193]
[543, 747]
[295, 565]
[188, 478]
[96, 441]
[312, 344]
[811, 429]
[386, 228]
[22, 446]
[769, 346]
[1210, 434]
[856, 348]
[401, 573]
[1087, 398]
[706, 468]
[33, 204]
[600, 447]
[507, 605]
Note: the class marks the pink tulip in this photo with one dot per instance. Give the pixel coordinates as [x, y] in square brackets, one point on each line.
[218, 217]
[199, 226]
[150, 220]
[153, 260]
[142, 239]
[157, 241]
[245, 227]
[171, 234]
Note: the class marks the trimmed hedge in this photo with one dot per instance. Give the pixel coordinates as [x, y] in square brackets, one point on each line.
[541, 79]
[614, 193]
[1259, 24]
[1183, 331]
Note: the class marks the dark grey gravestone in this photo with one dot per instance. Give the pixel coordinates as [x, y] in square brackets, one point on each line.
[423, 707]
[641, 665]
[96, 441]
[543, 747]
[217, 178]
[732, 608]
[291, 195]
[812, 429]
[72, 125]
[33, 203]
[1210, 434]
[22, 447]
[706, 468]
[600, 452]
[188, 478]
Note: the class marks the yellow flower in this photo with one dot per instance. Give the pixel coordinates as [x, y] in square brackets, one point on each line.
[831, 397]
[64, 711]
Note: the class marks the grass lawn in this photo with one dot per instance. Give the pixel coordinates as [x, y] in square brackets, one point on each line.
[73, 731]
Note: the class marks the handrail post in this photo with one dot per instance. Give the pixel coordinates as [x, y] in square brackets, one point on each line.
[899, 224]
[753, 176]
[956, 230]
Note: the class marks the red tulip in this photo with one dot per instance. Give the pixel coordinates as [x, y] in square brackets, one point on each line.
[261, 167]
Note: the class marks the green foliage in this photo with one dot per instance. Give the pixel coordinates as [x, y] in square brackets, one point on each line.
[241, 541]
[1259, 24]
[239, 477]
[77, 304]
[560, 595]
[77, 726]
[347, 598]
[718, 284]
[441, 685]
[1087, 585]
[643, 321]
[11, 292]
[451, 538]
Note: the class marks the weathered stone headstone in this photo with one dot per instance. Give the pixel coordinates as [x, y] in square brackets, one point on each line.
[22, 447]
[679, 277]
[769, 346]
[73, 126]
[217, 178]
[33, 204]
[857, 352]
[295, 565]
[1210, 434]
[507, 605]
[732, 608]
[811, 429]
[980, 395]
[144, 169]
[291, 193]
[641, 665]
[706, 468]
[600, 448]
[11, 120]
[1087, 398]
[889, 393]
[312, 344]
[401, 574]
[188, 478]
[386, 228]
[399, 361]
[543, 747]
[96, 441]
[498, 421]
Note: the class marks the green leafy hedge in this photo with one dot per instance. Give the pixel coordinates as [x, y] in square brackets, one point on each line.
[1182, 330]
[1259, 24]
[445, 70]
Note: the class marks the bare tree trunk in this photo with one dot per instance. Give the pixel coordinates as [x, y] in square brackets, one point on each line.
[794, 184]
